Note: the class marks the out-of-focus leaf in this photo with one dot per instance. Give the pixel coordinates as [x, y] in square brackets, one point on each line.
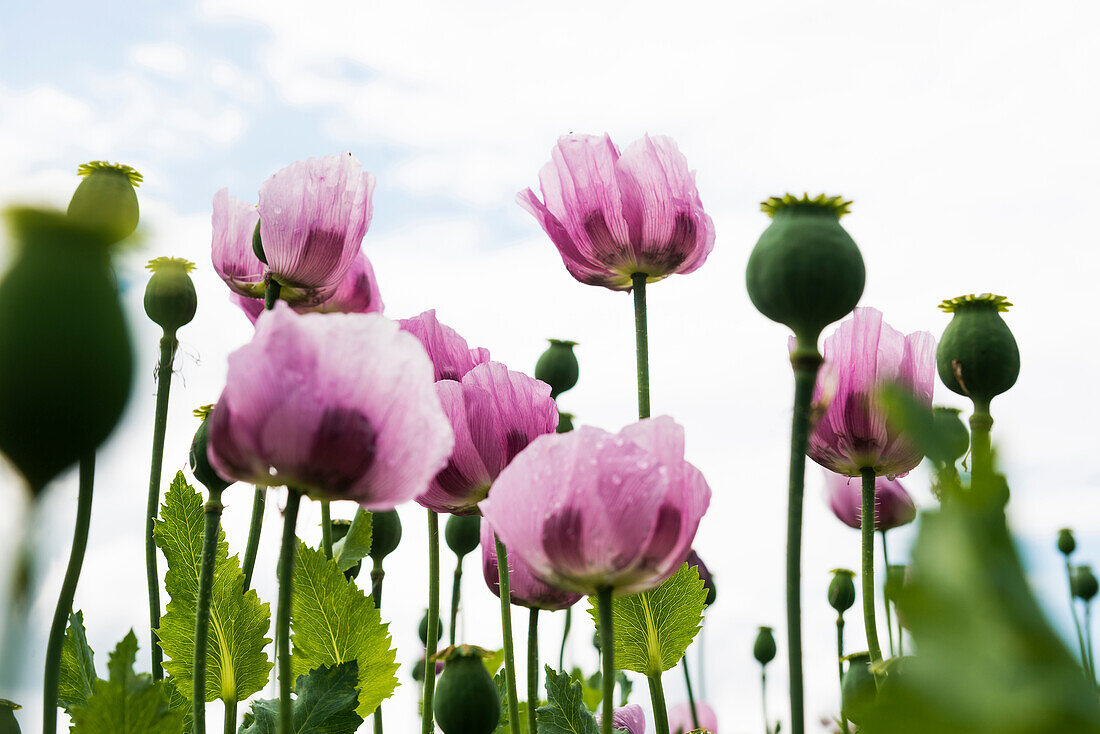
[910, 416]
[505, 727]
[324, 703]
[654, 629]
[355, 546]
[76, 678]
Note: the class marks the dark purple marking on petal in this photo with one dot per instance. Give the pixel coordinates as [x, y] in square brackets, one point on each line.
[451, 480]
[514, 442]
[604, 247]
[320, 254]
[668, 257]
[666, 533]
[563, 540]
[343, 449]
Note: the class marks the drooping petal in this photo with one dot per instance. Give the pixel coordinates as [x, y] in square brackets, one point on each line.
[233, 223]
[450, 354]
[525, 588]
[893, 505]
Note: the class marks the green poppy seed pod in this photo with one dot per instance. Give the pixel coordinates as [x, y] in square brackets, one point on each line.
[258, 245]
[105, 201]
[463, 533]
[895, 580]
[65, 376]
[1084, 583]
[565, 422]
[805, 271]
[558, 367]
[763, 648]
[8, 724]
[418, 670]
[466, 698]
[1066, 542]
[858, 690]
[385, 531]
[200, 463]
[842, 590]
[422, 630]
[953, 439]
[170, 299]
[977, 355]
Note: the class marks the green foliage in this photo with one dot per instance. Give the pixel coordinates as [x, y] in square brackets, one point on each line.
[237, 665]
[654, 629]
[334, 622]
[127, 702]
[592, 687]
[8, 724]
[355, 546]
[325, 703]
[76, 678]
[565, 712]
[505, 726]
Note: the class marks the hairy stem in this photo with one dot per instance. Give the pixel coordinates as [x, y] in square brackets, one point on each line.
[691, 693]
[607, 654]
[282, 620]
[428, 718]
[168, 346]
[456, 595]
[213, 516]
[660, 710]
[259, 500]
[532, 669]
[564, 637]
[506, 625]
[641, 340]
[867, 576]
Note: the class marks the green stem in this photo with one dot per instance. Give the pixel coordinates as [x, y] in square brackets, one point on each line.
[867, 536]
[607, 655]
[271, 293]
[428, 717]
[1073, 613]
[763, 699]
[885, 598]
[456, 595]
[259, 500]
[168, 346]
[660, 710]
[1088, 639]
[376, 577]
[564, 637]
[213, 513]
[981, 452]
[64, 606]
[532, 669]
[326, 528]
[805, 366]
[282, 620]
[506, 624]
[840, 664]
[230, 722]
[691, 693]
[901, 633]
[641, 339]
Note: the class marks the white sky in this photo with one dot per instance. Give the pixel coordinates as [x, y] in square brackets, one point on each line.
[966, 133]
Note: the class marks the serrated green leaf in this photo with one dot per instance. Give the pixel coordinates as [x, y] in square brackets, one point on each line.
[237, 665]
[334, 622]
[355, 546]
[325, 703]
[505, 727]
[126, 703]
[178, 702]
[654, 629]
[565, 712]
[8, 724]
[77, 677]
[493, 661]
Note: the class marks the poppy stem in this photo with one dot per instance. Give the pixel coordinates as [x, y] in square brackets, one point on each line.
[168, 346]
[980, 451]
[229, 723]
[282, 619]
[763, 699]
[564, 637]
[532, 670]
[691, 693]
[1076, 621]
[64, 607]
[1088, 639]
[805, 363]
[456, 596]
[660, 709]
[213, 513]
[885, 598]
[428, 715]
[641, 339]
[840, 665]
[259, 500]
[326, 528]
[867, 576]
[607, 653]
[506, 625]
[376, 577]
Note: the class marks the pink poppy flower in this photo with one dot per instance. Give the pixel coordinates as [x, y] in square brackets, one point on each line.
[630, 719]
[450, 355]
[680, 721]
[525, 589]
[358, 293]
[231, 252]
[893, 505]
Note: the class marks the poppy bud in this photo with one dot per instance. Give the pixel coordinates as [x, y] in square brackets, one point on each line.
[466, 698]
[842, 590]
[977, 356]
[558, 367]
[565, 422]
[385, 531]
[805, 271]
[858, 690]
[200, 463]
[763, 649]
[65, 378]
[170, 298]
[1084, 583]
[1066, 542]
[422, 630]
[462, 533]
[952, 437]
[105, 201]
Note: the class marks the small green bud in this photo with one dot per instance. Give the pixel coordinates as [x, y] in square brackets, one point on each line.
[842, 590]
[1084, 583]
[977, 355]
[65, 375]
[418, 670]
[565, 422]
[858, 690]
[596, 641]
[422, 630]
[170, 299]
[385, 532]
[558, 367]
[805, 271]
[466, 698]
[257, 245]
[105, 201]
[953, 438]
[895, 580]
[1066, 542]
[200, 462]
[463, 533]
[763, 648]
[8, 724]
